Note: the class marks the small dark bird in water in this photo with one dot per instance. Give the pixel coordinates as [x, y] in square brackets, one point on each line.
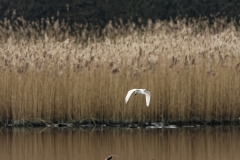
[110, 157]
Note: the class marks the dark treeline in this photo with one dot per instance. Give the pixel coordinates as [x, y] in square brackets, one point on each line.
[100, 12]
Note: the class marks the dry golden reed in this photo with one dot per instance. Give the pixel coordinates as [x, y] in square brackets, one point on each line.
[192, 72]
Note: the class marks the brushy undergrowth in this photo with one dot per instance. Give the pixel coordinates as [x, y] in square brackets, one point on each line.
[192, 72]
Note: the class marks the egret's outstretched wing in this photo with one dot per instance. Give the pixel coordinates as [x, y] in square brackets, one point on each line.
[129, 94]
[147, 95]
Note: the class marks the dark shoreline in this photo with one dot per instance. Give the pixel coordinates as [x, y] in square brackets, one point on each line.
[95, 124]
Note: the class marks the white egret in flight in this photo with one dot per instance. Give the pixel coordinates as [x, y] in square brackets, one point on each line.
[139, 91]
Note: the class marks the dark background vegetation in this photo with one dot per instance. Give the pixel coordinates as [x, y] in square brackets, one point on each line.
[100, 12]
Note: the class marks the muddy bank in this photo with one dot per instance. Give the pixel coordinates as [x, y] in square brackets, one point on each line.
[101, 125]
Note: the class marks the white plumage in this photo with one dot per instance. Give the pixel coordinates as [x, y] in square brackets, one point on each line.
[139, 91]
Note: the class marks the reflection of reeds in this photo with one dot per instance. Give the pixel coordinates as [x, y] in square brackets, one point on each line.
[192, 74]
[196, 143]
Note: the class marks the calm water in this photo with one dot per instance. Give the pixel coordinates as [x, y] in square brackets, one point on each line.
[197, 143]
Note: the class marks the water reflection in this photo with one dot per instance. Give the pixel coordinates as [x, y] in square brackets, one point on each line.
[198, 143]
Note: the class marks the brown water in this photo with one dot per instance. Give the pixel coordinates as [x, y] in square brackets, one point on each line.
[198, 143]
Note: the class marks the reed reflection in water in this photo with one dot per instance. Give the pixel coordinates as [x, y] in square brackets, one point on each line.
[198, 143]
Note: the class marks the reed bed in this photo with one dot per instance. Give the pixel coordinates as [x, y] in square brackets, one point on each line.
[192, 72]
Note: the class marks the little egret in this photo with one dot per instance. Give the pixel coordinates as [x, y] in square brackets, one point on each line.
[139, 91]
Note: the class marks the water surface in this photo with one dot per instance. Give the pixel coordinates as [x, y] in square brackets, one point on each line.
[188, 143]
